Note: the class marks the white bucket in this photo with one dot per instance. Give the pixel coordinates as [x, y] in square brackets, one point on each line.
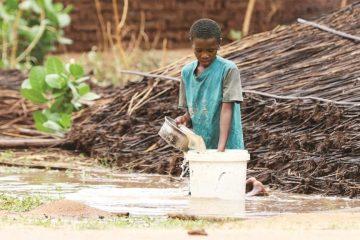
[216, 174]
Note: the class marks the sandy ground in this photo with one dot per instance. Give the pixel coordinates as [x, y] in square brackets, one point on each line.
[37, 233]
[67, 208]
[328, 225]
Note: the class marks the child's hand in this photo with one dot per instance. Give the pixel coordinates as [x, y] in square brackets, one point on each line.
[184, 119]
[221, 149]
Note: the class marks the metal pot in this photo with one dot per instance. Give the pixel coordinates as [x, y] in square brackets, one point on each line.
[173, 135]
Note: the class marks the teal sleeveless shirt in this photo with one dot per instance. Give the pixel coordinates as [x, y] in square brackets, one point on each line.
[204, 96]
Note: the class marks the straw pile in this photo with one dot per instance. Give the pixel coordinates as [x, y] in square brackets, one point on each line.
[300, 113]
[15, 112]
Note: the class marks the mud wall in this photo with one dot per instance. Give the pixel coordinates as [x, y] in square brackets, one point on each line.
[171, 19]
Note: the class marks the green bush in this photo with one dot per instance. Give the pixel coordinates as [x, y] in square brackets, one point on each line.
[62, 88]
[29, 29]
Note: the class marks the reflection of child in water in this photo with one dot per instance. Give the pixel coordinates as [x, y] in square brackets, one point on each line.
[210, 92]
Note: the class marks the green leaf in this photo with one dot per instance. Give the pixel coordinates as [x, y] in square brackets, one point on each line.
[65, 120]
[58, 103]
[63, 20]
[40, 119]
[235, 35]
[83, 89]
[68, 9]
[35, 7]
[54, 65]
[33, 95]
[68, 108]
[25, 5]
[76, 70]
[58, 7]
[37, 78]
[26, 84]
[50, 12]
[29, 32]
[74, 91]
[12, 4]
[53, 116]
[90, 96]
[53, 126]
[58, 94]
[54, 81]
[83, 79]
[65, 41]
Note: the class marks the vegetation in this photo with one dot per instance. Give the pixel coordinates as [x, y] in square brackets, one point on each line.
[62, 88]
[107, 68]
[29, 29]
[15, 204]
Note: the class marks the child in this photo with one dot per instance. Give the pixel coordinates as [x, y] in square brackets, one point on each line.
[210, 91]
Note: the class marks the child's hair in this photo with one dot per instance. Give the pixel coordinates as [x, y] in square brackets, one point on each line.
[205, 28]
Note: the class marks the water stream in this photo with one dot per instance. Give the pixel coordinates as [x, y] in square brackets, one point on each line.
[141, 194]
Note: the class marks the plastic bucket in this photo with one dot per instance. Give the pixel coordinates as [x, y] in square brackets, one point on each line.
[216, 174]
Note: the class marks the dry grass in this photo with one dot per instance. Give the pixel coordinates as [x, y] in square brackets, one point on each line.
[106, 69]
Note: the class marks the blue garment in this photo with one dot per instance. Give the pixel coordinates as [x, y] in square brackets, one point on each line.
[204, 96]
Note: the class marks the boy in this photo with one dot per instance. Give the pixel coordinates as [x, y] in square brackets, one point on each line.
[210, 91]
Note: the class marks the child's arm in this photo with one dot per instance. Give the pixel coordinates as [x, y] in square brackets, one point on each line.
[225, 124]
[232, 93]
[184, 119]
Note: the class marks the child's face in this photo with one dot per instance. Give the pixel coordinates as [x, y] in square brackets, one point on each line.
[205, 50]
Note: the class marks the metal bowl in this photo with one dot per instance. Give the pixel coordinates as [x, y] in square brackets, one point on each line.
[173, 135]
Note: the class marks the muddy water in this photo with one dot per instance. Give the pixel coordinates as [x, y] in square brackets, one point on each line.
[142, 194]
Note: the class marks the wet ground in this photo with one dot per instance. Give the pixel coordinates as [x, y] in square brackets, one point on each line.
[154, 195]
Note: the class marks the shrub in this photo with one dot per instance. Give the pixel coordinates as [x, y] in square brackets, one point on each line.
[30, 29]
[62, 88]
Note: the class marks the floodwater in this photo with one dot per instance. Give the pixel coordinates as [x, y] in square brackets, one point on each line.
[153, 195]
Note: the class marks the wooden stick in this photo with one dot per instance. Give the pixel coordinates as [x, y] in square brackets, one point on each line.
[343, 3]
[330, 30]
[302, 98]
[36, 38]
[25, 143]
[15, 39]
[144, 74]
[248, 14]
[124, 15]
[31, 132]
[118, 30]
[102, 23]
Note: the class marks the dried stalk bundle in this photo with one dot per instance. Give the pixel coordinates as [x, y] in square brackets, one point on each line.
[11, 79]
[300, 145]
[303, 146]
[15, 112]
[111, 133]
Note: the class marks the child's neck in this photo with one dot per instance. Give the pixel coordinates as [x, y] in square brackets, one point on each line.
[199, 69]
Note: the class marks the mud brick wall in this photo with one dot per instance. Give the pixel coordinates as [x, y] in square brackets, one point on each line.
[171, 19]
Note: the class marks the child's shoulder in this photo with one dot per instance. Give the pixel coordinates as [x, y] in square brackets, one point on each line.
[226, 63]
[189, 67]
